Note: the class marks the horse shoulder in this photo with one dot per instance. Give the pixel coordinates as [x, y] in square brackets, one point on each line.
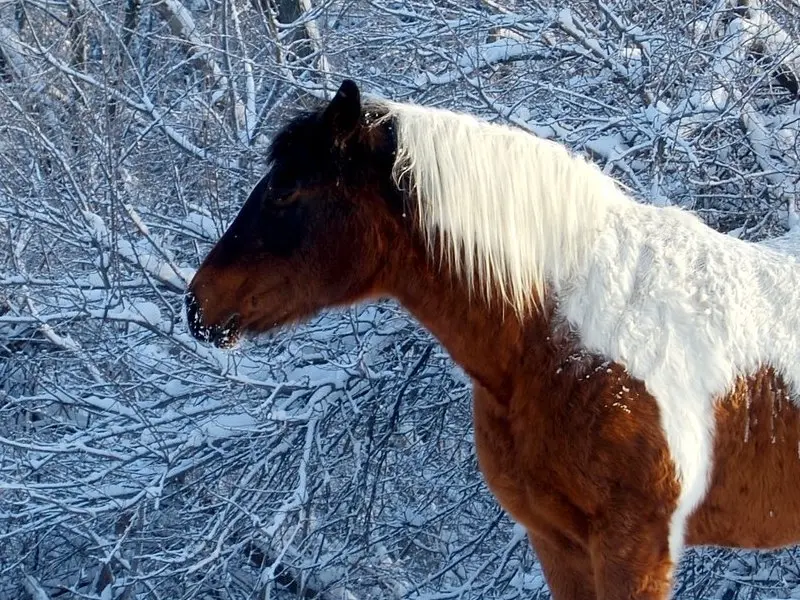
[577, 449]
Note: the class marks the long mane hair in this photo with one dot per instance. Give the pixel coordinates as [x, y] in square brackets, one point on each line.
[513, 211]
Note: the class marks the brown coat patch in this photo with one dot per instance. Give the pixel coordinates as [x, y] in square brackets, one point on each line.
[754, 497]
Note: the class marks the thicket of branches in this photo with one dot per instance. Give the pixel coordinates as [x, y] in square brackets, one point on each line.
[335, 461]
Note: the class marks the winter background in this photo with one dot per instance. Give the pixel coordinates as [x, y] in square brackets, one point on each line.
[334, 461]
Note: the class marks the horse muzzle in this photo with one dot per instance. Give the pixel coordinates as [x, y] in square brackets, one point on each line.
[224, 334]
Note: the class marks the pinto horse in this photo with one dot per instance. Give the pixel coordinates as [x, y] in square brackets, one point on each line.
[635, 372]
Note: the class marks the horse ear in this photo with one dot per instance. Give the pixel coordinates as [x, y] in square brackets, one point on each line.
[343, 114]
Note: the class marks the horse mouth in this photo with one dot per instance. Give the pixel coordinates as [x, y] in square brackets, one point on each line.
[228, 334]
[225, 335]
[222, 335]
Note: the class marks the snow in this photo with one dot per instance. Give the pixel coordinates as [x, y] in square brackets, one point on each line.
[607, 147]
[203, 225]
[34, 589]
[501, 50]
[221, 427]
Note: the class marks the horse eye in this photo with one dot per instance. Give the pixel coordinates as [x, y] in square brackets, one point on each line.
[284, 199]
[278, 197]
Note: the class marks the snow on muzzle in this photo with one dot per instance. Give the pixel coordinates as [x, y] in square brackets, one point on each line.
[222, 335]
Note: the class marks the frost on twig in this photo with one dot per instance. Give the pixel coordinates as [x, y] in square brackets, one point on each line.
[183, 27]
[769, 39]
[773, 148]
[12, 52]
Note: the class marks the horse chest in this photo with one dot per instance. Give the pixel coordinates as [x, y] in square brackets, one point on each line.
[524, 467]
[556, 456]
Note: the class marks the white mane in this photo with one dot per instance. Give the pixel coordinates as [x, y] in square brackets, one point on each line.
[685, 309]
[514, 211]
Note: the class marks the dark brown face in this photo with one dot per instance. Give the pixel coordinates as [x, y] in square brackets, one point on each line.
[313, 233]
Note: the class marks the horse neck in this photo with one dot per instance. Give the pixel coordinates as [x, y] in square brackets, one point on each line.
[486, 340]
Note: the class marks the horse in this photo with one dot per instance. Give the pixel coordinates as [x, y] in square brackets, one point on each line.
[635, 372]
